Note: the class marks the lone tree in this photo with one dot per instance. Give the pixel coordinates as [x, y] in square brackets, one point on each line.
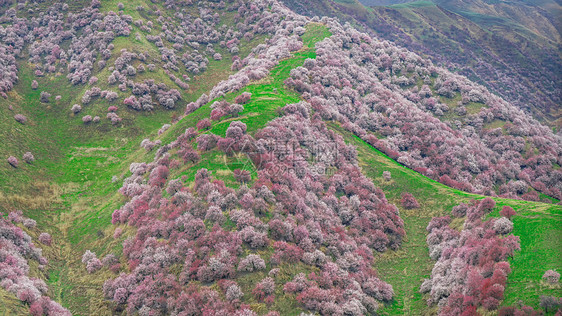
[487, 204]
[549, 303]
[507, 211]
[28, 157]
[408, 201]
[204, 124]
[20, 118]
[44, 98]
[243, 98]
[551, 277]
[386, 175]
[13, 161]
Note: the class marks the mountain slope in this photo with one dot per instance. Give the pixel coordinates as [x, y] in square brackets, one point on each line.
[510, 47]
[411, 264]
[69, 188]
[92, 187]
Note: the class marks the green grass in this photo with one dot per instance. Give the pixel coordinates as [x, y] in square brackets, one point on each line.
[540, 229]
[495, 124]
[270, 93]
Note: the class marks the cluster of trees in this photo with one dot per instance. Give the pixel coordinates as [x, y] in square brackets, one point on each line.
[96, 119]
[243, 98]
[375, 88]
[191, 41]
[187, 39]
[8, 70]
[471, 268]
[487, 58]
[277, 21]
[27, 157]
[330, 221]
[142, 93]
[89, 32]
[185, 42]
[13, 37]
[16, 252]
[91, 261]
[149, 145]
[99, 31]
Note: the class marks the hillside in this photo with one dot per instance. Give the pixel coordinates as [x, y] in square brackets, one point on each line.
[226, 158]
[513, 48]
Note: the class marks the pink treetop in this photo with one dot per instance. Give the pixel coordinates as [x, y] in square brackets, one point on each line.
[551, 277]
[20, 118]
[13, 161]
[243, 98]
[507, 211]
[204, 124]
[408, 201]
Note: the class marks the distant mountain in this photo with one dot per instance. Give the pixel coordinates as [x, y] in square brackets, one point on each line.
[540, 18]
[512, 47]
[371, 3]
